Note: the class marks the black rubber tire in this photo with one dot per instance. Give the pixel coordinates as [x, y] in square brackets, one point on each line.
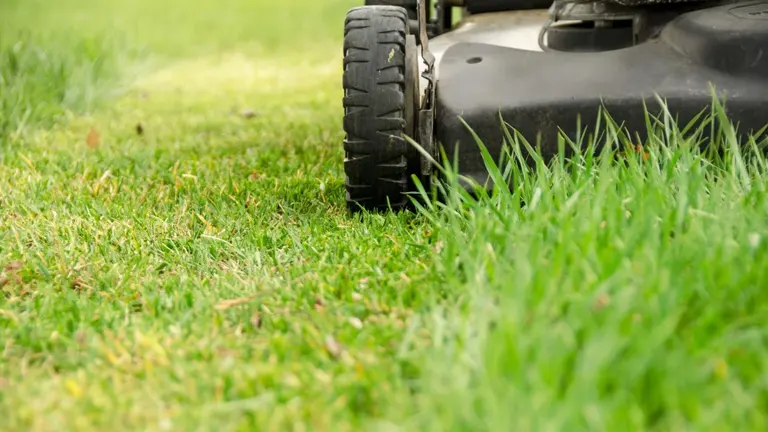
[378, 160]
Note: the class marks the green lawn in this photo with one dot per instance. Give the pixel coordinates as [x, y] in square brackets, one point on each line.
[175, 252]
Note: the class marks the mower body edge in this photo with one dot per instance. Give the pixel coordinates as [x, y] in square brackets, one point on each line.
[541, 94]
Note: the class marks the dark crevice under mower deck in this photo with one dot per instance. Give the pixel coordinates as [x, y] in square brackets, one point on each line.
[679, 56]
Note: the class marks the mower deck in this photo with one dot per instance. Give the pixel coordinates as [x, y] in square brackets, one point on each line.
[485, 72]
[511, 29]
[545, 73]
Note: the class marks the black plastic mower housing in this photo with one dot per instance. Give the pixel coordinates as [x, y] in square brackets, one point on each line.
[722, 49]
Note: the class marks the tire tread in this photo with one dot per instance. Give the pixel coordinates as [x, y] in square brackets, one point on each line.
[376, 162]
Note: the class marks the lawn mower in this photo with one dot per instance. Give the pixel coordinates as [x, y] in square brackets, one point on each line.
[438, 71]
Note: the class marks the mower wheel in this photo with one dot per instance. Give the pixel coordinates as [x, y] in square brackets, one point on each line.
[378, 159]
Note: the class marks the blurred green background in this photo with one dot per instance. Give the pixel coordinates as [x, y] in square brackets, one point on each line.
[175, 252]
[67, 54]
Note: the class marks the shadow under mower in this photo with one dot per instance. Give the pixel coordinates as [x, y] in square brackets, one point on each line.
[545, 67]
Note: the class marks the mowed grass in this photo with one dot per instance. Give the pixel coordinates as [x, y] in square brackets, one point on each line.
[176, 254]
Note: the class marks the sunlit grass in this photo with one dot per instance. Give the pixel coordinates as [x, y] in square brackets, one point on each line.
[619, 291]
[175, 253]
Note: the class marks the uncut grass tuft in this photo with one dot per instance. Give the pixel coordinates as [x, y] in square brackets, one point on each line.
[617, 287]
[42, 81]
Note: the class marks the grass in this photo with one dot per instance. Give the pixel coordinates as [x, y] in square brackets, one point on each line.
[204, 275]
